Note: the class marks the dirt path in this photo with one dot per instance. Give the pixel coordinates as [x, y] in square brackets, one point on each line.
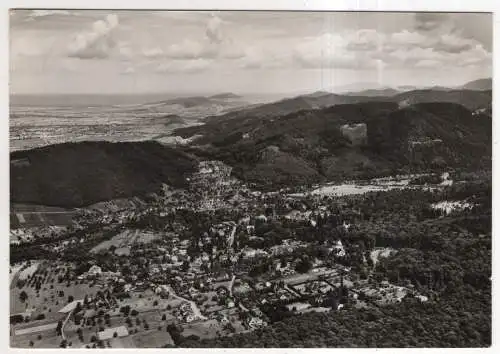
[231, 237]
[64, 324]
[231, 284]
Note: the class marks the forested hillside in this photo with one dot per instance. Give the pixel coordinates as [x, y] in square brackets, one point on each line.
[79, 174]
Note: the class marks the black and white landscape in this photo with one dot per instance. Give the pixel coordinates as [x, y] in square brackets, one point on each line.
[250, 179]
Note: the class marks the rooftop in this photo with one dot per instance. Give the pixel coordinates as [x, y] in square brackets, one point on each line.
[70, 307]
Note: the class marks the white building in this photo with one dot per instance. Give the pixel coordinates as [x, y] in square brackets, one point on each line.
[71, 306]
[95, 270]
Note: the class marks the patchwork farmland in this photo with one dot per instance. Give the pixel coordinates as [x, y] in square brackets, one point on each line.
[31, 215]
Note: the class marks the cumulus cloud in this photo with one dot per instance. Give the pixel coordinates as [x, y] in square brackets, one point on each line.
[452, 43]
[363, 40]
[406, 38]
[427, 63]
[43, 13]
[97, 43]
[189, 49]
[125, 52]
[213, 45]
[213, 31]
[338, 51]
[27, 47]
[259, 58]
[128, 71]
[429, 21]
[183, 66]
[477, 56]
[433, 42]
[155, 52]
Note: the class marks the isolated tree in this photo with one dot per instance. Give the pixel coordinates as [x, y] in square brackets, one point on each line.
[23, 296]
[59, 327]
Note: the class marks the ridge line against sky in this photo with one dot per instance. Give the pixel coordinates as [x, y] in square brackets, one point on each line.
[134, 52]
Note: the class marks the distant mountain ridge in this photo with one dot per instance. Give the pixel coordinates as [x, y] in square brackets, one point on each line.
[295, 141]
[384, 92]
[225, 95]
[298, 148]
[471, 99]
[308, 146]
[480, 84]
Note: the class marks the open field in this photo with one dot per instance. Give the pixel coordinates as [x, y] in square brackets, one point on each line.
[36, 329]
[145, 301]
[125, 239]
[48, 340]
[147, 336]
[206, 329]
[32, 215]
[300, 278]
[124, 342]
[152, 338]
[28, 272]
[116, 205]
[35, 208]
[47, 298]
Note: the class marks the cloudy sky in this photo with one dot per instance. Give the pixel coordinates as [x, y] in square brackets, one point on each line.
[70, 51]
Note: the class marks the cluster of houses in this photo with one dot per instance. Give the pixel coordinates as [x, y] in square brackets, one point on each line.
[95, 272]
[255, 323]
[212, 182]
[29, 234]
[385, 293]
[185, 313]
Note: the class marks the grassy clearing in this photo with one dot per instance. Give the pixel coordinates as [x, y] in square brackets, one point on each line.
[152, 338]
[125, 239]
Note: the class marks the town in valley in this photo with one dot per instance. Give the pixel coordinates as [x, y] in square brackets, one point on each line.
[347, 214]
